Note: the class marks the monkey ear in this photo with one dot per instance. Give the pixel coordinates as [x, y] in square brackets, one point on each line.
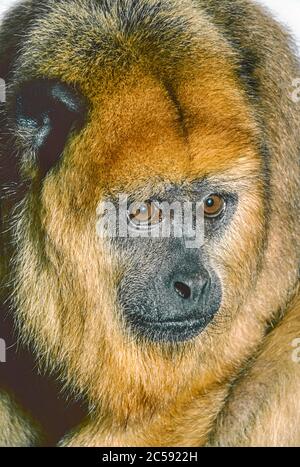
[44, 114]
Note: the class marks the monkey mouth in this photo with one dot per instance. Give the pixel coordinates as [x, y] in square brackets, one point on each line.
[175, 331]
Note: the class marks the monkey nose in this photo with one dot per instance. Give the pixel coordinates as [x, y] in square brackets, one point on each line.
[188, 289]
[183, 290]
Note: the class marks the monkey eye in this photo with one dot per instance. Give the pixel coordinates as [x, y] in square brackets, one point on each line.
[143, 215]
[214, 206]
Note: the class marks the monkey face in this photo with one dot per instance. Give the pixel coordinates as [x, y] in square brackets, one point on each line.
[172, 288]
[169, 291]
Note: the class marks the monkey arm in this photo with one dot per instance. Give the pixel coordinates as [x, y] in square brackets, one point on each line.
[16, 430]
[264, 406]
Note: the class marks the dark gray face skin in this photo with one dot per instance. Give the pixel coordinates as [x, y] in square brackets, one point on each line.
[168, 292]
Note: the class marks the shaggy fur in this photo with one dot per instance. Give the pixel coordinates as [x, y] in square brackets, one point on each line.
[176, 91]
[17, 430]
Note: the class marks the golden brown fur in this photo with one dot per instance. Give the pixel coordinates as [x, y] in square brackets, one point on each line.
[234, 123]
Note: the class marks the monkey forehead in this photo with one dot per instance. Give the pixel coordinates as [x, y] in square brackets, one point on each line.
[144, 128]
[164, 96]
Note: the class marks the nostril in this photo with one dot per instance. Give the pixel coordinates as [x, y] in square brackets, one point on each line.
[183, 290]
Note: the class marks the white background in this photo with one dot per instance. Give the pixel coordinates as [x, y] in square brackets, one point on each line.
[287, 11]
